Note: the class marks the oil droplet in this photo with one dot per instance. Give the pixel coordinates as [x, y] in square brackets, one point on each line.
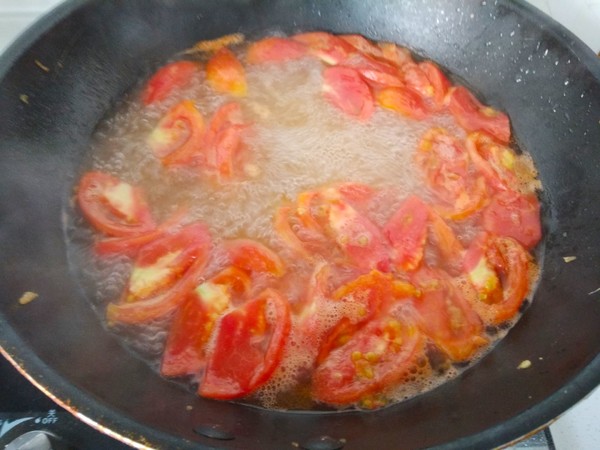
[566, 82]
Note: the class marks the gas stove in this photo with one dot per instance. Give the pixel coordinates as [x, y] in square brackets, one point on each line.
[31, 421]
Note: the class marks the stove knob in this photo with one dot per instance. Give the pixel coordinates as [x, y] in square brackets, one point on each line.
[32, 440]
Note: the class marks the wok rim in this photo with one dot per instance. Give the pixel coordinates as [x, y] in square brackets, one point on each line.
[106, 420]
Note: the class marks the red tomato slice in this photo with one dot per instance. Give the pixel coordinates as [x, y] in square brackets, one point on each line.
[224, 140]
[377, 357]
[344, 88]
[328, 48]
[494, 161]
[398, 56]
[358, 237]
[514, 215]
[377, 73]
[416, 79]
[445, 240]
[247, 348]
[438, 82]
[404, 101]
[446, 316]
[275, 49]
[130, 245]
[178, 137]
[407, 232]
[168, 78]
[444, 162]
[164, 272]
[254, 257]
[112, 206]
[498, 268]
[287, 235]
[192, 326]
[471, 115]
[362, 45]
[365, 297]
[225, 73]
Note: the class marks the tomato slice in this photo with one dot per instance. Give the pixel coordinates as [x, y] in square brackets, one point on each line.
[192, 326]
[247, 348]
[362, 45]
[223, 140]
[364, 297]
[275, 49]
[112, 206]
[447, 317]
[394, 54]
[130, 245]
[447, 243]
[168, 78]
[376, 73]
[287, 235]
[471, 115]
[404, 101]
[378, 356]
[254, 257]
[164, 272]
[178, 137]
[344, 88]
[407, 232]
[327, 47]
[514, 215]
[358, 237]
[438, 82]
[498, 269]
[444, 162]
[225, 73]
[496, 162]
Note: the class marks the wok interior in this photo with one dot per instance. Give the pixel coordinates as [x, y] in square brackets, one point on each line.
[98, 50]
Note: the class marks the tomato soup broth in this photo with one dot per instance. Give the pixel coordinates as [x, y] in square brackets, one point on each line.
[368, 225]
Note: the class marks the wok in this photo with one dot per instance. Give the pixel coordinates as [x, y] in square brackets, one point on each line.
[72, 67]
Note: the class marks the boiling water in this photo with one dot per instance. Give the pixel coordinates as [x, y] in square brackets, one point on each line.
[298, 142]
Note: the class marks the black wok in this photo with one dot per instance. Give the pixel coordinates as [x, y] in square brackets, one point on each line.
[94, 51]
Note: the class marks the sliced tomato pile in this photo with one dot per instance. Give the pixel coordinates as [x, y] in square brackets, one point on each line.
[368, 291]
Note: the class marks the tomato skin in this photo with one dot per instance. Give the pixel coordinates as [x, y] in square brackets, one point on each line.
[438, 82]
[377, 356]
[471, 115]
[225, 73]
[344, 88]
[275, 49]
[446, 316]
[166, 79]
[406, 230]
[404, 101]
[362, 45]
[514, 215]
[248, 347]
[112, 206]
[164, 272]
[498, 269]
[177, 139]
[394, 54]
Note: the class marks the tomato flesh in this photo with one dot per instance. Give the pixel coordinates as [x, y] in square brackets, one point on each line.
[163, 273]
[167, 79]
[178, 137]
[407, 232]
[471, 115]
[447, 317]
[404, 101]
[514, 215]
[225, 73]
[275, 49]
[254, 257]
[344, 88]
[248, 347]
[328, 48]
[377, 356]
[112, 206]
